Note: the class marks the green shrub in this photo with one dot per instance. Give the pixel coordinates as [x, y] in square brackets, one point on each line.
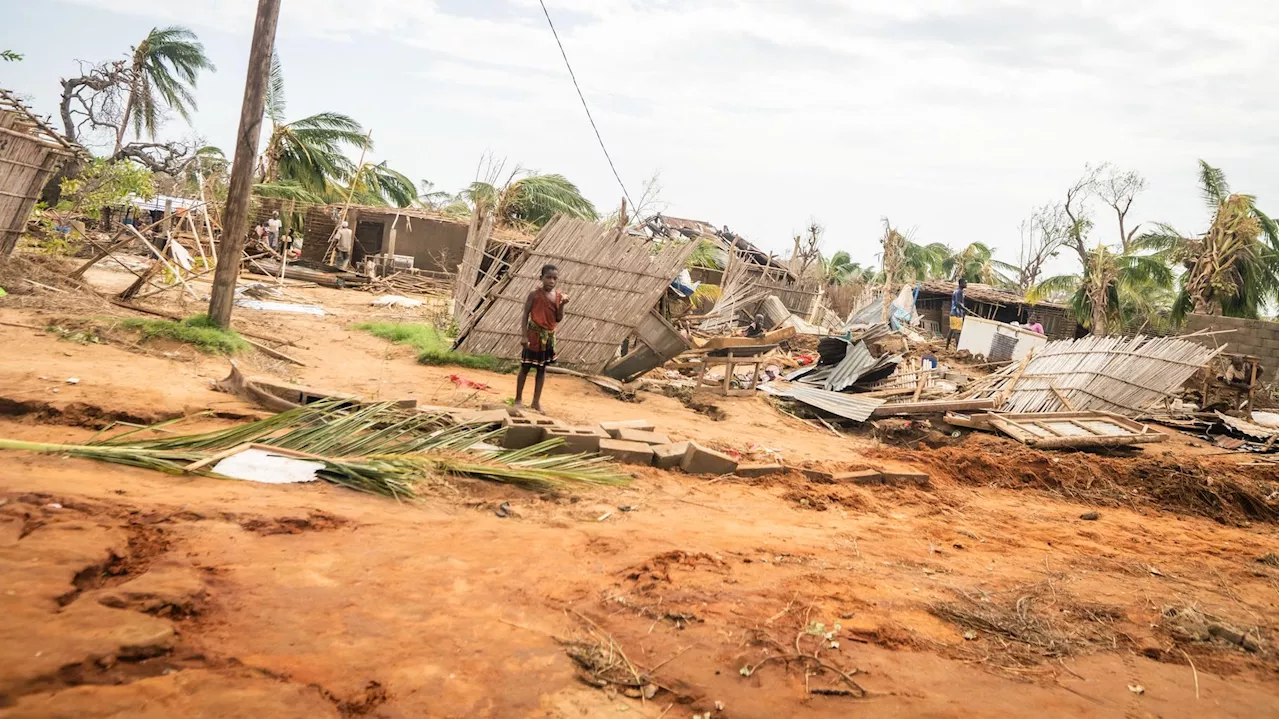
[433, 347]
[198, 331]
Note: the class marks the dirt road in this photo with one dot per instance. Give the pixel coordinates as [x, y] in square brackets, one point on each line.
[129, 593]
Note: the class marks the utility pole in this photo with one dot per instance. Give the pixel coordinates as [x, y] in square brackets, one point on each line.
[235, 216]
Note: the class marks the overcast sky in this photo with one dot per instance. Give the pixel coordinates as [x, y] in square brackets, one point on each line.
[951, 119]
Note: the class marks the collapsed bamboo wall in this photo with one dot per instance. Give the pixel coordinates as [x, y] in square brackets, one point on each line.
[29, 155]
[613, 278]
[799, 297]
[1126, 375]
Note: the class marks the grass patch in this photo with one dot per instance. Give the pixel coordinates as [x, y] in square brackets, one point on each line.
[433, 347]
[197, 331]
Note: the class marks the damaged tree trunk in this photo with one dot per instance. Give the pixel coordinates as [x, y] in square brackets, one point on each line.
[236, 215]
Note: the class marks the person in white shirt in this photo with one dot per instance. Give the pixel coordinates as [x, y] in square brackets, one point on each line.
[344, 245]
[273, 231]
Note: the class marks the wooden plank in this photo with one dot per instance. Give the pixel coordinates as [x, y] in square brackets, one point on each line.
[978, 420]
[933, 407]
[1015, 425]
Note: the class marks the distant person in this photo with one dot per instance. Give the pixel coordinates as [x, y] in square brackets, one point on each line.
[273, 231]
[295, 245]
[543, 311]
[344, 245]
[957, 313]
[1035, 326]
[756, 328]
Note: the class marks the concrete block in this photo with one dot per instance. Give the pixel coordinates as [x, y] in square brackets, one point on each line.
[612, 427]
[759, 470]
[669, 456]
[904, 476]
[509, 409]
[521, 432]
[627, 452]
[700, 460]
[817, 475]
[861, 476]
[628, 434]
[577, 440]
[475, 419]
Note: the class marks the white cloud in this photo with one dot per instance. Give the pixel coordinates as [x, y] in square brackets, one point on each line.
[956, 118]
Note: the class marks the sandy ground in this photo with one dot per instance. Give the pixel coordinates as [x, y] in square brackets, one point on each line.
[129, 593]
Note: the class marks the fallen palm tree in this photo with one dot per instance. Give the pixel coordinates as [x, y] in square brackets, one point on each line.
[379, 449]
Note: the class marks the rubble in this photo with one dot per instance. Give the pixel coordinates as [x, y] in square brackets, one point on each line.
[577, 440]
[626, 452]
[639, 435]
[759, 470]
[669, 456]
[701, 460]
[613, 426]
[521, 432]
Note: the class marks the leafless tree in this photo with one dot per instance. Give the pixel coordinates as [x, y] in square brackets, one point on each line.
[1117, 188]
[651, 202]
[1042, 234]
[807, 250]
[92, 101]
[1077, 210]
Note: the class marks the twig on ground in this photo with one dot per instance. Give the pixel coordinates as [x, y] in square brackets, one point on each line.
[1195, 676]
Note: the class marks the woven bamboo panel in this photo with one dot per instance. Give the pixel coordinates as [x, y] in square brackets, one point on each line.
[1126, 375]
[28, 158]
[470, 288]
[613, 279]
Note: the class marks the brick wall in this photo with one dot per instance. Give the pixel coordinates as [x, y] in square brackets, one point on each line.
[1251, 337]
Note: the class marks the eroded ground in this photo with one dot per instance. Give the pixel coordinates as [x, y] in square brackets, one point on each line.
[130, 593]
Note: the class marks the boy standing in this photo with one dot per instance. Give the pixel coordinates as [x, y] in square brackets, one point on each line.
[543, 311]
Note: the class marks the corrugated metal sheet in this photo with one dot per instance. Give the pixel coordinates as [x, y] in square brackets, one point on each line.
[849, 406]
[856, 360]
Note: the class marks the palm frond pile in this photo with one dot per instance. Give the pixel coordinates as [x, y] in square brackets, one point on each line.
[377, 448]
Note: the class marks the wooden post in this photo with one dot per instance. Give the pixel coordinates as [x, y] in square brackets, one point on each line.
[208, 228]
[330, 253]
[237, 211]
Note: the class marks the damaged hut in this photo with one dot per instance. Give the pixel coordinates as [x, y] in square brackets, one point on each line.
[30, 152]
[614, 276]
[933, 302]
[395, 238]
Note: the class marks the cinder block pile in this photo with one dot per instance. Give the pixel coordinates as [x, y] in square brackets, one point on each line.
[636, 441]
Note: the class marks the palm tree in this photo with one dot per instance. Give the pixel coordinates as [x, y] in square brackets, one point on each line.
[310, 151]
[163, 74]
[1233, 269]
[975, 263]
[838, 268]
[305, 160]
[530, 201]
[1114, 289]
[378, 185]
[924, 262]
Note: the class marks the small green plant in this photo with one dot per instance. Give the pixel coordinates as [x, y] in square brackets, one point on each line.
[433, 347]
[197, 331]
[77, 335]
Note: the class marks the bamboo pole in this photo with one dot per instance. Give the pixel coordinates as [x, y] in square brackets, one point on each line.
[346, 205]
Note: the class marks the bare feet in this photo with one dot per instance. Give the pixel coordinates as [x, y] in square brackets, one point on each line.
[518, 403]
[537, 407]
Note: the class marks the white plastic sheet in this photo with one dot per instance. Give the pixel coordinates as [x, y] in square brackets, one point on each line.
[259, 465]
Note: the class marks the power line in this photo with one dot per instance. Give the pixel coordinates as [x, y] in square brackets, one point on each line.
[584, 106]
